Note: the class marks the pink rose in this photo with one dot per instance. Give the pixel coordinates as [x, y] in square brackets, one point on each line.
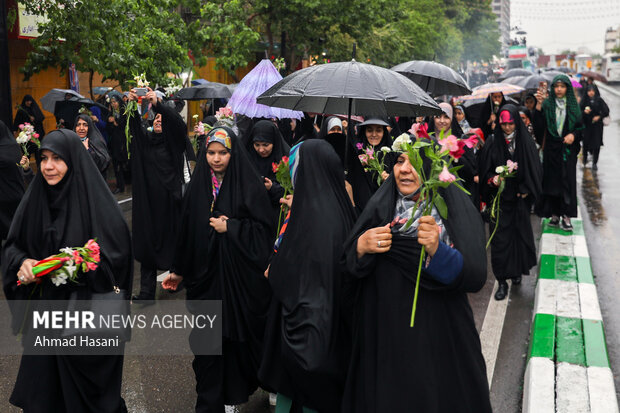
[446, 176]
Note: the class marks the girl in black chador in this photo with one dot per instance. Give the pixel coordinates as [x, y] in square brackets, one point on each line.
[225, 238]
[594, 110]
[513, 251]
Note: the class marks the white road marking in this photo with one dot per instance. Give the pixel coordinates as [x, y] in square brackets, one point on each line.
[491, 332]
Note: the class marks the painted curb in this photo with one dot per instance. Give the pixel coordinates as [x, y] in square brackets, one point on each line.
[568, 366]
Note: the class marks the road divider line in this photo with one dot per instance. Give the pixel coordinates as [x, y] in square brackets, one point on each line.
[491, 331]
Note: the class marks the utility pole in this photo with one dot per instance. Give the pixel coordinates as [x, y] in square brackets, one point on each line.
[6, 114]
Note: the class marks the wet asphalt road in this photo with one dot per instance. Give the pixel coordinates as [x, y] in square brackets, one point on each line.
[599, 193]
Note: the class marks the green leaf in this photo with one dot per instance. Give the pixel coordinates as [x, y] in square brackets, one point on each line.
[441, 206]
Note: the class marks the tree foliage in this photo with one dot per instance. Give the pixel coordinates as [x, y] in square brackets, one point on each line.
[121, 38]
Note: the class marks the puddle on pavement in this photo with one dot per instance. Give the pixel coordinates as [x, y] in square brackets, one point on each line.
[592, 197]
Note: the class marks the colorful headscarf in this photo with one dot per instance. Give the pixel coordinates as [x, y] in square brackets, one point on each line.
[505, 117]
[293, 162]
[572, 110]
[219, 135]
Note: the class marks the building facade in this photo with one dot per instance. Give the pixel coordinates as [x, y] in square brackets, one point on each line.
[501, 9]
[612, 39]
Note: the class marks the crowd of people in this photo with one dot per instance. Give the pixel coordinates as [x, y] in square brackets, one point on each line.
[316, 303]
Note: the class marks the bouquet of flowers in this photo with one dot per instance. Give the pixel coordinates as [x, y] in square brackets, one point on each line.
[371, 162]
[27, 134]
[283, 175]
[132, 107]
[440, 175]
[503, 172]
[225, 116]
[65, 265]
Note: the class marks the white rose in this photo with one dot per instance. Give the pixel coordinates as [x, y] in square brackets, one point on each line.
[499, 169]
[385, 149]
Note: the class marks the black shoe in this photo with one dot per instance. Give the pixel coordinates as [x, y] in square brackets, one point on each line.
[502, 291]
[594, 167]
[142, 299]
[566, 225]
[516, 280]
[554, 221]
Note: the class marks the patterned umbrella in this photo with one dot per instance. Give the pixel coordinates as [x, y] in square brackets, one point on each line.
[481, 92]
[261, 78]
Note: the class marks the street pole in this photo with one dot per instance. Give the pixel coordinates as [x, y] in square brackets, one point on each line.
[6, 114]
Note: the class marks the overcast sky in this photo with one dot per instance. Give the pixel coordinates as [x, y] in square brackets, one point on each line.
[556, 25]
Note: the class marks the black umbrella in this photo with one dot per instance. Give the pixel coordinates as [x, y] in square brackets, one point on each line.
[67, 110]
[350, 87]
[564, 69]
[435, 78]
[526, 82]
[209, 90]
[515, 72]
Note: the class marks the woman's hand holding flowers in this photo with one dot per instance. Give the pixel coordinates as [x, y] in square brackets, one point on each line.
[428, 234]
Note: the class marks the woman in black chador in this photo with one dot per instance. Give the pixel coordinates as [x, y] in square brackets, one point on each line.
[117, 141]
[93, 141]
[594, 110]
[307, 342]
[158, 168]
[265, 147]
[29, 112]
[513, 251]
[67, 204]
[11, 179]
[436, 366]
[227, 229]
[558, 124]
[373, 133]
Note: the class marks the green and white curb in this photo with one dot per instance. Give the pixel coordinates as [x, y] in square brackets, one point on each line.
[568, 368]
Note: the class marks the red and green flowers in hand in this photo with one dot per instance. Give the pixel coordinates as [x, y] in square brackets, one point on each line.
[499, 180]
[68, 263]
[283, 176]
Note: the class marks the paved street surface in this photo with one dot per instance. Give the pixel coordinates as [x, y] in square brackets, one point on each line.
[166, 384]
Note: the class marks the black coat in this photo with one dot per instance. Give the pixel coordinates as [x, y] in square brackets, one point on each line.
[437, 366]
[593, 131]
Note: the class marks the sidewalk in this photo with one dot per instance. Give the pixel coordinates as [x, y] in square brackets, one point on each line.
[568, 367]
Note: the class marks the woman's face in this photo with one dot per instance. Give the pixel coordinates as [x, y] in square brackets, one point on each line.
[157, 123]
[81, 128]
[53, 167]
[497, 97]
[525, 119]
[407, 178]
[264, 149]
[28, 103]
[560, 89]
[530, 102]
[335, 129]
[442, 122]
[374, 134]
[218, 157]
[458, 113]
[115, 103]
[508, 127]
[591, 93]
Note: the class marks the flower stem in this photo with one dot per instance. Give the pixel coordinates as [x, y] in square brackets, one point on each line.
[496, 219]
[280, 216]
[417, 287]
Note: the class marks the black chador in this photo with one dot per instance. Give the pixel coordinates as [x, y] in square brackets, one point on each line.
[228, 266]
[78, 208]
[307, 342]
[11, 181]
[513, 251]
[437, 366]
